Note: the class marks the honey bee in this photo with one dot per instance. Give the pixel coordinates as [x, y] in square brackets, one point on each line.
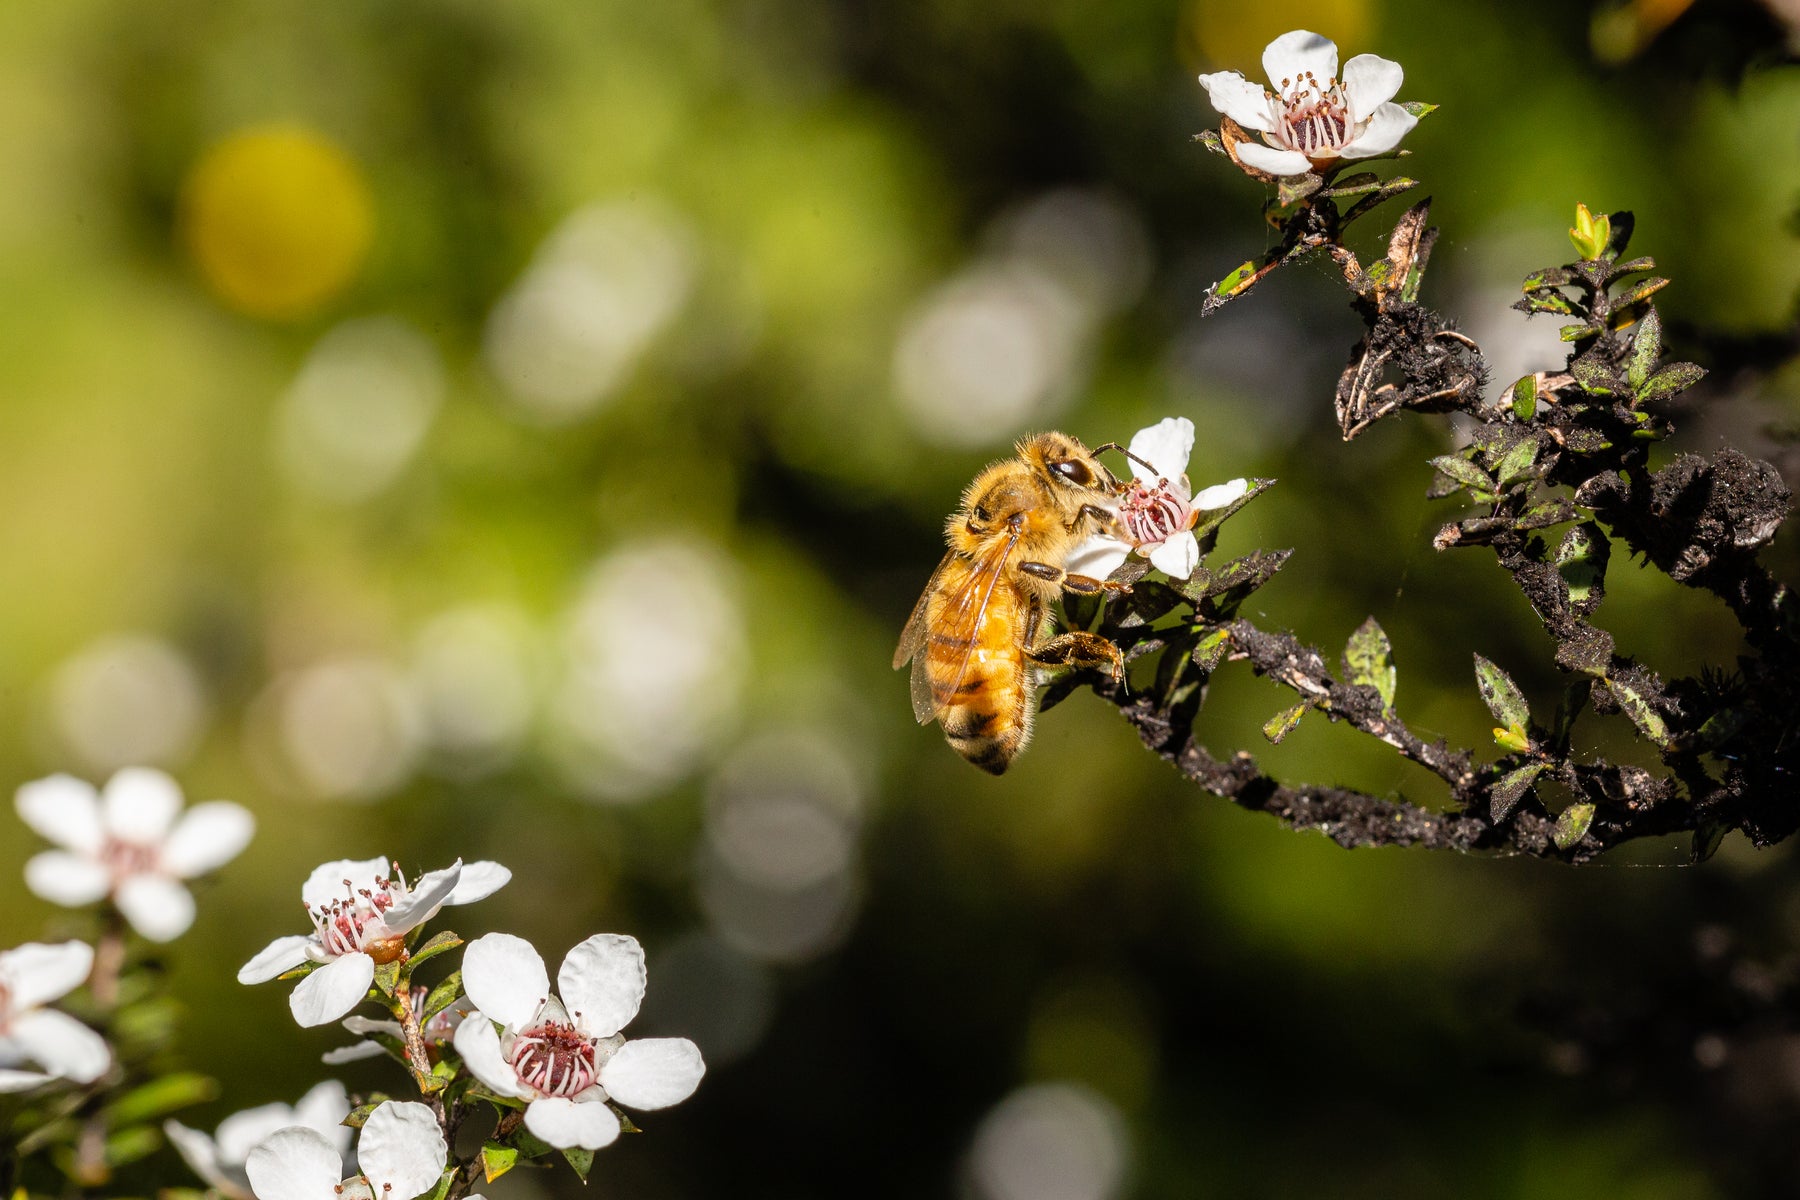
[974, 638]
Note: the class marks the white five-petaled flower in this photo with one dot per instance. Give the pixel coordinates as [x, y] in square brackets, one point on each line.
[360, 918]
[1311, 119]
[1158, 509]
[127, 843]
[401, 1154]
[565, 1056]
[220, 1159]
[31, 976]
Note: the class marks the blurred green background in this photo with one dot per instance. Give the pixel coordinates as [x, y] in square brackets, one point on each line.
[520, 431]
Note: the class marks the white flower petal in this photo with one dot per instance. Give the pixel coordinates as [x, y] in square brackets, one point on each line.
[206, 838]
[295, 1164]
[653, 1072]
[332, 990]
[479, 881]
[360, 1024]
[1244, 102]
[201, 1156]
[1369, 82]
[1166, 446]
[61, 1045]
[71, 880]
[244, 1131]
[479, 1046]
[1221, 495]
[64, 810]
[1273, 161]
[602, 983]
[324, 1108]
[23, 1081]
[566, 1123]
[402, 1150]
[354, 1052]
[326, 883]
[1178, 556]
[505, 978]
[139, 804]
[277, 958]
[158, 907]
[38, 972]
[427, 894]
[1097, 557]
[1386, 127]
[1292, 55]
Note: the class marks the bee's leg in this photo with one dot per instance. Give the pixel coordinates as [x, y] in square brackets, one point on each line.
[1108, 521]
[1081, 585]
[1080, 650]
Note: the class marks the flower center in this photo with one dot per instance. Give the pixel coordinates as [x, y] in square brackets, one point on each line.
[555, 1059]
[1152, 514]
[1315, 120]
[125, 859]
[353, 924]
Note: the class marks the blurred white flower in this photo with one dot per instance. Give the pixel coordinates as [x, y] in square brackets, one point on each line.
[435, 1032]
[220, 1158]
[360, 918]
[1159, 509]
[474, 679]
[566, 1056]
[1051, 1141]
[127, 843]
[401, 1153]
[1311, 120]
[31, 976]
[347, 729]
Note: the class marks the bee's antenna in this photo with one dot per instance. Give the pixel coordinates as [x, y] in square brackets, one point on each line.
[1098, 450]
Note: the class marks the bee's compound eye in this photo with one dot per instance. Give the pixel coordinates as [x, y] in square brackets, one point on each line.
[1075, 471]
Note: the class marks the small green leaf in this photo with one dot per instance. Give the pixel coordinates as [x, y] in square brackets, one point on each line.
[1642, 290]
[1721, 727]
[1463, 472]
[1524, 397]
[1294, 188]
[1418, 108]
[1283, 722]
[125, 1146]
[1212, 141]
[1576, 333]
[1369, 661]
[442, 996]
[387, 977]
[1512, 787]
[1211, 649]
[530, 1146]
[357, 1117]
[442, 1190]
[1236, 282]
[1517, 462]
[1360, 184]
[436, 946]
[1596, 377]
[1646, 348]
[1502, 695]
[1582, 560]
[160, 1097]
[626, 1125]
[301, 971]
[1672, 380]
[1707, 838]
[1591, 233]
[1572, 825]
[497, 1160]
[1544, 300]
[581, 1160]
[1513, 739]
[1649, 722]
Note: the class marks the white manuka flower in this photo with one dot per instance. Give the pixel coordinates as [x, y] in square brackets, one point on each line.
[220, 1159]
[360, 918]
[401, 1154]
[1158, 510]
[566, 1056]
[31, 976]
[1311, 120]
[127, 843]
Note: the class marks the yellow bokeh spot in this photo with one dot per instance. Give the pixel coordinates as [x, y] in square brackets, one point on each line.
[1217, 35]
[278, 219]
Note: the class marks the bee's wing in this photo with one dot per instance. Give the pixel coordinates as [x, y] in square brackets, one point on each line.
[959, 626]
[912, 646]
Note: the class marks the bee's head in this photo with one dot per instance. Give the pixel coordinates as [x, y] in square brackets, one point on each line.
[1067, 464]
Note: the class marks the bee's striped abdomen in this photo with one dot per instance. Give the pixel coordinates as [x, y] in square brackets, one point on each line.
[987, 718]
